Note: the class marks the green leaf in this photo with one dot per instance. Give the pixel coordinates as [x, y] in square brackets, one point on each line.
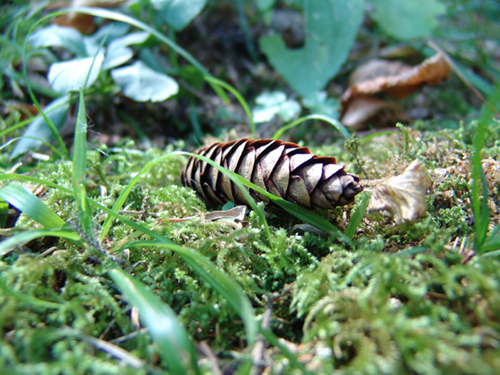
[178, 13]
[118, 52]
[56, 111]
[59, 36]
[274, 103]
[176, 347]
[71, 75]
[407, 19]
[331, 27]
[105, 35]
[141, 83]
[319, 104]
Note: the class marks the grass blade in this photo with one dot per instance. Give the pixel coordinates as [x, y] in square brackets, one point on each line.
[8, 244]
[357, 216]
[25, 201]
[4, 213]
[28, 299]
[176, 347]
[299, 212]
[274, 341]
[479, 187]
[238, 96]
[80, 168]
[220, 281]
[123, 196]
[335, 123]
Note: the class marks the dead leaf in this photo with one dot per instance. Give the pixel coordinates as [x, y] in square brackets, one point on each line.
[236, 213]
[376, 69]
[79, 21]
[402, 195]
[395, 79]
[378, 113]
[398, 80]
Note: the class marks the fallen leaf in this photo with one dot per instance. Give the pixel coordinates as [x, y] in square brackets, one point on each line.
[236, 213]
[395, 79]
[402, 81]
[375, 69]
[402, 195]
[378, 113]
[79, 21]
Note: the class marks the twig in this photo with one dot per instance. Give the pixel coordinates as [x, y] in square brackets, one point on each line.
[207, 352]
[107, 347]
[130, 336]
[258, 349]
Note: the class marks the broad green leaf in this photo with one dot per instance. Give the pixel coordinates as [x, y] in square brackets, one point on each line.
[59, 36]
[56, 111]
[176, 347]
[118, 52]
[141, 83]
[274, 103]
[178, 13]
[407, 19]
[71, 75]
[264, 5]
[105, 35]
[331, 27]
[116, 16]
[319, 104]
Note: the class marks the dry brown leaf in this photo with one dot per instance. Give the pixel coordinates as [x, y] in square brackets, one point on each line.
[402, 195]
[376, 69]
[379, 113]
[402, 81]
[394, 78]
[79, 21]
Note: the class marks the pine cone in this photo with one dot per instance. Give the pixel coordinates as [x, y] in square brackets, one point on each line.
[281, 168]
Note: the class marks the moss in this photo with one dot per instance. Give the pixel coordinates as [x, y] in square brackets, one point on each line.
[357, 306]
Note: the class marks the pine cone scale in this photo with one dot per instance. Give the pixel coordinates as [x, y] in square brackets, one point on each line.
[298, 191]
[283, 169]
[281, 176]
